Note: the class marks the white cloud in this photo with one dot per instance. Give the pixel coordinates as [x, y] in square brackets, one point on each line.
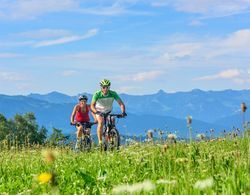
[11, 76]
[238, 39]
[43, 33]
[9, 44]
[108, 10]
[193, 49]
[242, 80]
[226, 74]
[67, 39]
[126, 89]
[175, 52]
[209, 8]
[60, 37]
[10, 55]
[184, 49]
[142, 76]
[117, 8]
[160, 3]
[240, 76]
[235, 44]
[23, 86]
[99, 61]
[30, 9]
[195, 23]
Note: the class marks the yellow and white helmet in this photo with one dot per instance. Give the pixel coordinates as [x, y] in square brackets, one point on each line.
[105, 82]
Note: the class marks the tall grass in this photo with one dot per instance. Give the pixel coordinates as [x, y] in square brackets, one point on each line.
[181, 168]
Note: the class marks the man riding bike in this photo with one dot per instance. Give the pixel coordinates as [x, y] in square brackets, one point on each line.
[102, 103]
[80, 114]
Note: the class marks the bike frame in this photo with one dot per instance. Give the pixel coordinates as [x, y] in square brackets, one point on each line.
[110, 132]
[85, 141]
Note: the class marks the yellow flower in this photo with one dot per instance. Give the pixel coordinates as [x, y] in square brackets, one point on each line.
[181, 160]
[45, 177]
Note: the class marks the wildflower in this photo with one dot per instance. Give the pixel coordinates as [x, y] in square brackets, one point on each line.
[45, 177]
[202, 184]
[243, 107]
[145, 186]
[181, 160]
[24, 192]
[201, 136]
[163, 181]
[221, 139]
[165, 147]
[172, 136]
[12, 148]
[189, 120]
[102, 178]
[49, 156]
[102, 174]
[237, 154]
[150, 134]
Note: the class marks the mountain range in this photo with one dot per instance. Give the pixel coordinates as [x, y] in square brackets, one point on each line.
[218, 110]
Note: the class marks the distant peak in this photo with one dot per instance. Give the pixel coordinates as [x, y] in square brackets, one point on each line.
[161, 92]
[197, 90]
[55, 93]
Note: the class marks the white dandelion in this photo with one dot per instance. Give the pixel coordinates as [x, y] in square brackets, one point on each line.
[172, 136]
[145, 186]
[202, 184]
[201, 136]
[164, 181]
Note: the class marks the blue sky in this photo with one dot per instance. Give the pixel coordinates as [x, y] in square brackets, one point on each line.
[140, 45]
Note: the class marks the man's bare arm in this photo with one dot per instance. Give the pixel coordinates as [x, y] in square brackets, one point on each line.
[122, 105]
[92, 107]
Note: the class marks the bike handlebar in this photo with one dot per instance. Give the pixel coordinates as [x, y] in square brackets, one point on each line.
[113, 115]
[117, 115]
[83, 123]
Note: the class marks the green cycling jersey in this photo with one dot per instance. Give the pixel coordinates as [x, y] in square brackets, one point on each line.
[104, 103]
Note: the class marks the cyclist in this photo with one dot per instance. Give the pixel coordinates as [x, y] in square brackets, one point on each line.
[80, 114]
[102, 103]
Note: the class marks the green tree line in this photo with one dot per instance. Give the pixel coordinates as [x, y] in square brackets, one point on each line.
[24, 130]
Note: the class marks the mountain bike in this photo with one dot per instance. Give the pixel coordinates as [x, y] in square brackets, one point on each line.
[111, 134]
[86, 139]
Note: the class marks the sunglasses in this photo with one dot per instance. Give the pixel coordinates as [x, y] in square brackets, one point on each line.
[105, 87]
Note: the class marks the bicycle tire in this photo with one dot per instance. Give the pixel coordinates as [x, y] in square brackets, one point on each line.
[86, 143]
[114, 139]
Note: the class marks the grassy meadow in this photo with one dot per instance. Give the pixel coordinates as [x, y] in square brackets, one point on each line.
[208, 167]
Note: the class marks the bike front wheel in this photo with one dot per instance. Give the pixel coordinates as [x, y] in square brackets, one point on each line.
[86, 143]
[113, 140]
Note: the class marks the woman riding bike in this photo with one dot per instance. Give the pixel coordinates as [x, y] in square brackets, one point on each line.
[80, 114]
